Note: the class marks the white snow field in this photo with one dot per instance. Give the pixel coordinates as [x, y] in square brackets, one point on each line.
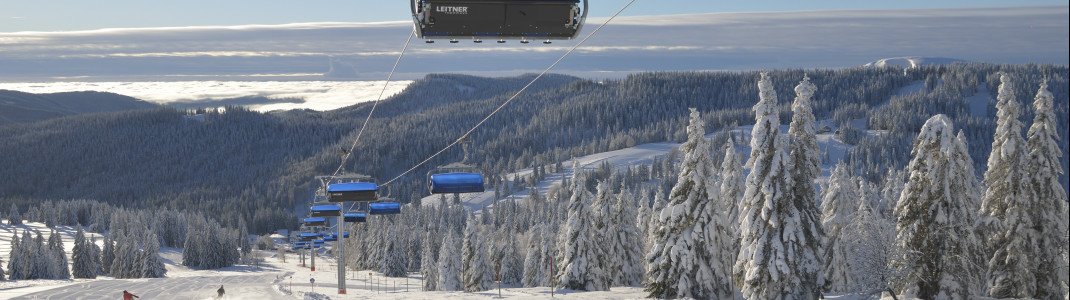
[372, 285]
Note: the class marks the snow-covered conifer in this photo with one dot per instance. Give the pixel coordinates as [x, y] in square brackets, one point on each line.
[689, 257]
[625, 257]
[780, 239]
[894, 181]
[838, 206]
[937, 252]
[1050, 209]
[429, 262]
[579, 268]
[81, 257]
[473, 261]
[732, 189]
[13, 216]
[867, 238]
[1011, 237]
[57, 258]
[151, 265]
[449, 263]
[533, 257]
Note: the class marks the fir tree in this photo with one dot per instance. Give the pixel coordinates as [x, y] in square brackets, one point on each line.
[893, 187]
[39, 258]
[533, 258]
[837, 209]
[449, 263]
[732, 189]
[1007, 203]
[13, 216]
[107, 256]
[625, 257]
[690, 255]
[57, 258]
[778, 256]
[473, 264]
[937, 250]
[579, 269]
[429, 262]
[14, 258]
[1049, 212]
[82, 257]
[867, 238]
[151, 265]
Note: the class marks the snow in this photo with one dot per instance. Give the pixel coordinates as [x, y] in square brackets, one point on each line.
[316, 95]
[911, 62]
[366, 284]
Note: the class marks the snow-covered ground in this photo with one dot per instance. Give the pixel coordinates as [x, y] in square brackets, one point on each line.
[371, 284]
[317, 95]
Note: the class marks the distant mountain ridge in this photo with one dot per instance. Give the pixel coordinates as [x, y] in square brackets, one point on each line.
[20, 107]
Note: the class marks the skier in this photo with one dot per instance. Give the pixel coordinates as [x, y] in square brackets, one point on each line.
[220, 291]
[129, 296]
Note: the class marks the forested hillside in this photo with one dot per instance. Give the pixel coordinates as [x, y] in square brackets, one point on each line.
[259, 165]
[19, 107]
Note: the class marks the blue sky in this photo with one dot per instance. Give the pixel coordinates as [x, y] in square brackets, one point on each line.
[63, 15]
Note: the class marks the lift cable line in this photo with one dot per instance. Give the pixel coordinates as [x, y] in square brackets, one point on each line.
[347, 154]
[492, 113]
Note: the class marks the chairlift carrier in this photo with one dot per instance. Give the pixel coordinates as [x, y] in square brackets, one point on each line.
[325, 210]
[498, 19]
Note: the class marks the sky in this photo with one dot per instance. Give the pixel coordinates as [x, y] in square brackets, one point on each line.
[68, 15]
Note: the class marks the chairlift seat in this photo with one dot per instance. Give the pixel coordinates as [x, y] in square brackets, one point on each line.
[353, 192]
[355, 217]
[315, 221]
[457, 182]
[384, 208]
[325, 210]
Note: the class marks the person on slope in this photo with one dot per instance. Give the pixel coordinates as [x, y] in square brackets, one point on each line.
[129, 296]
[220, 291]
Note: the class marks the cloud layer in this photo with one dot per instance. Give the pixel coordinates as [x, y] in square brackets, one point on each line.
[642, 43]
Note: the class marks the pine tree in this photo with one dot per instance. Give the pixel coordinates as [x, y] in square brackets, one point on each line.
[837, 209]
[2, 277]
[690, 255]
[579, 269]
[57, 258]
[867, 238]
[449, 263]
[1049, 212]
[473, 263]
[1007, 203]
[429, 262]
[625, 257]
[95, 253]
[13, 216]
[778, 256]
[121, 263]
[937, 251]
[152, 266]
